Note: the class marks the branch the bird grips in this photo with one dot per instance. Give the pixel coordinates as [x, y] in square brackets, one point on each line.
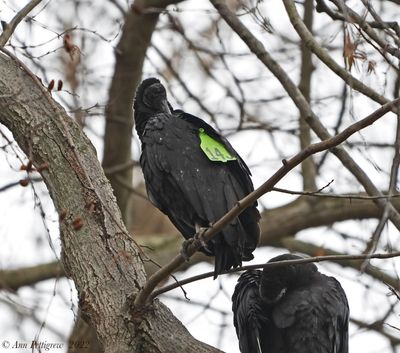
[213, 149]
[184, 164]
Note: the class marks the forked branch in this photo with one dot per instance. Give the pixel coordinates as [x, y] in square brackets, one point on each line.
[10, 27]
[145, 293]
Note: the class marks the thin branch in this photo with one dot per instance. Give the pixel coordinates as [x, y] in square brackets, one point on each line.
[274, 264]
[308, 168]
[288, 165]
[324, 56]
[381, 24]
[394, 172]
[312, 119]
[121, 8]
[394, 340]
[378, 23]
[120, 167]
[295, 245]
[353, 17]
[206, 306]
[130, 54]
[183, 83]
[130, 188]
[10, 185]
[343, 102]
[10, 27]
[18, 183]
[335, 196]
[27, 276]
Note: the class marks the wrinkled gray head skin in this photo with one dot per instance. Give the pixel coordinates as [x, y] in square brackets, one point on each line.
[275, 281]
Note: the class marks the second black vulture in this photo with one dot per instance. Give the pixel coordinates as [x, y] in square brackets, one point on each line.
[194, 176]
[290, 309]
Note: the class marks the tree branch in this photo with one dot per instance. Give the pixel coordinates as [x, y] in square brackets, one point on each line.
[97, 251]
[310, 249]
[129, 54]
[308, 39]
[27, 276]
[308, 168]
[10, 27]
[353, 17]
[354, 260]
[394, 340]
[288, 165]
[312, 119]
[335, 196]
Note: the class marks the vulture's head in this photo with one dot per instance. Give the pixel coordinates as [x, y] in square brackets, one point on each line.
[275, 281]
[151, 97]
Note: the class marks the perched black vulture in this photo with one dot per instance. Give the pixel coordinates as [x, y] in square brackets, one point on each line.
[290, 309]
[194, 176]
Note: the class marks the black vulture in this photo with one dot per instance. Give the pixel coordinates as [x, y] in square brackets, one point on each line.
[194, 176]
[290, 309]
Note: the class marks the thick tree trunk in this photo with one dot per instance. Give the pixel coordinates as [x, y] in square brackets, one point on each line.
[97, 251]
[129, 58]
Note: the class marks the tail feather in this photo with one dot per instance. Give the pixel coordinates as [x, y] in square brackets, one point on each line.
[251, 232]
[226, 257]
[237, 242]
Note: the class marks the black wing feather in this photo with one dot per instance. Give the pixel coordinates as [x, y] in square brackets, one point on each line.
[184, 184]
[314, 317]
[199, 123]
[247, 312]
[239, 185]
[290, 309]
[191, 189]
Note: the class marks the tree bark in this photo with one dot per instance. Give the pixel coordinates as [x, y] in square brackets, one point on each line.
[277, 225]
[130, 53]
[97, 251]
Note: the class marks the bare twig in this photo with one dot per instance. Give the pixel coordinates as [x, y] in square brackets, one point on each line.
[308, 168]
[312, 119]
[27, 276]
[288, 165]
[335, 196]
[394, 172]
[10, 27]
[206, 306]
[353, 17]
[381, 24]
[273, 264]
[130, 188]
[9, 185]
[120, 167]
[130, 54]
[296, 245]
[18, 183]
[183, 83]
[324, 56]
[394, 340]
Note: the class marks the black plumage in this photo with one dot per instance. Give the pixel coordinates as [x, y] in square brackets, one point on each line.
[290, 309]
[192, 190]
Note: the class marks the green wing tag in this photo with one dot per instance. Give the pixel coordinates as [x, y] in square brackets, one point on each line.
[214, 150]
